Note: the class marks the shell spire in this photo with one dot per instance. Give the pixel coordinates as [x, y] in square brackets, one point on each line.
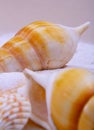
[82, 28]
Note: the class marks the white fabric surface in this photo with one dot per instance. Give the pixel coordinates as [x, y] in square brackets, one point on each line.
[84, 56]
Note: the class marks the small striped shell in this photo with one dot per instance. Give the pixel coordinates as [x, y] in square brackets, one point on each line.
[14, 111]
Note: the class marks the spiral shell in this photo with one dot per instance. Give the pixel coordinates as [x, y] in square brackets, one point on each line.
[14, 112]
[69, 97]
[40, 45]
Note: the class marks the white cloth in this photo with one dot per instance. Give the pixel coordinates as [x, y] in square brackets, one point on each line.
[84, 56]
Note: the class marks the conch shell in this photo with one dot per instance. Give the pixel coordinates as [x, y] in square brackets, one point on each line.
[69, 97]
[40, 45]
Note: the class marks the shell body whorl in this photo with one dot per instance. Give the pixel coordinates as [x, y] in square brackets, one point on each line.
[73, 88]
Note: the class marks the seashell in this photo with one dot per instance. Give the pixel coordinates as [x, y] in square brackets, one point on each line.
[14, 111]
[40, 45]
[69, 97]
[16, 83]
[15, 107]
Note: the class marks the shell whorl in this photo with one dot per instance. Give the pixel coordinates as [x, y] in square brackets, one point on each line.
[14, 111]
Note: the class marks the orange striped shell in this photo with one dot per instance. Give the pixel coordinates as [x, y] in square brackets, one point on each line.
[40, 45]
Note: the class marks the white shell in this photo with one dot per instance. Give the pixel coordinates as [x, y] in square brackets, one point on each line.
[14, 111]
[15, 108]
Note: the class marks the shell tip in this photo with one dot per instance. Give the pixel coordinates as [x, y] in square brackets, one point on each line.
[82, 28]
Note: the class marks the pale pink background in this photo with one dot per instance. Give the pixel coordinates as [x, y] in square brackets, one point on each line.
[14, 14]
